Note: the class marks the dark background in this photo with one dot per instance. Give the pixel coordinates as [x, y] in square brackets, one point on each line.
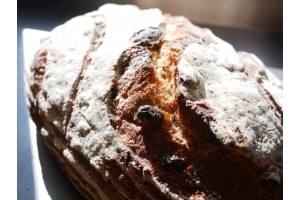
[254, 27]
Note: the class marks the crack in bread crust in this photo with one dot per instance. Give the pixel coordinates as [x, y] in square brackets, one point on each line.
[96, 43]
[147, 76]
[143, 82]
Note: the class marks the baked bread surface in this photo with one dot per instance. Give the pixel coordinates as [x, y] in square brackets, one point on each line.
[139, 105]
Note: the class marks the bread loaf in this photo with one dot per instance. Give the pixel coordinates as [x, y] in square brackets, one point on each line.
[138, 105]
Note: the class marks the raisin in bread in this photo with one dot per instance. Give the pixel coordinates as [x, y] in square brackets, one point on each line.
[139, 105]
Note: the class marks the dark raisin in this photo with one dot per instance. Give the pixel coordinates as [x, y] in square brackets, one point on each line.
[148, 113]
[180, 80]
[113, 94]
[127, 159]
[187, 81]
[173, 163]
[147, 37]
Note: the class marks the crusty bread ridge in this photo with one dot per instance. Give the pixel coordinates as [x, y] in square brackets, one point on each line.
[139, 105]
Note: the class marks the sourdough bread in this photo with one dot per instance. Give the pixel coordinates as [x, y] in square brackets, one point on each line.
[135, 104]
